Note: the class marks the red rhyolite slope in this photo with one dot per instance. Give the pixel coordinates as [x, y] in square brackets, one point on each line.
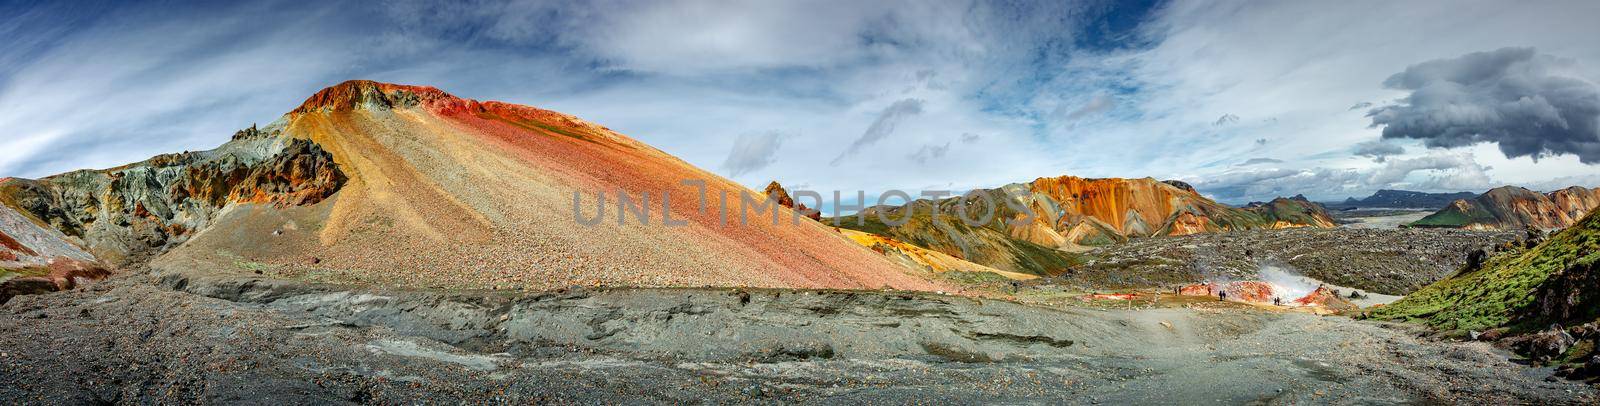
[446, 191]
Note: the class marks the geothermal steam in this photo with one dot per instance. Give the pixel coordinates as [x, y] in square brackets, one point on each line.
[1287, 284]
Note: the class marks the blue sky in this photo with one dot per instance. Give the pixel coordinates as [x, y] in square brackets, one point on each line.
[1246, 100]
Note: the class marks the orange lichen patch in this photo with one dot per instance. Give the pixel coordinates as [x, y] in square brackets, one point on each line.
[1111, 296]
[1205, 289]
[1321, 299]
[1251, 291]
[1315, 298]
[1324, 298]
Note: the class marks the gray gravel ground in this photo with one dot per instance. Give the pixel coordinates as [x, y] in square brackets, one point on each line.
[179, 339]
[1387, 261]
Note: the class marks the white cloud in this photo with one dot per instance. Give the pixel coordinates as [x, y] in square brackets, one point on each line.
[752, 152]
[1100, 103]
[930, 153]
[1260, 161]
[1438, 172]
[1225, 120]
[1378, 150]
[884, 125]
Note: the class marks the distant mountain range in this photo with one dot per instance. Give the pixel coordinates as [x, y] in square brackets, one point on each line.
[1073, 213]
[1511, 207]
[1402, 199]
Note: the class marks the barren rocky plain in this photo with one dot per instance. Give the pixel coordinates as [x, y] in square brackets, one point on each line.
[1387, 261]
[172, 336]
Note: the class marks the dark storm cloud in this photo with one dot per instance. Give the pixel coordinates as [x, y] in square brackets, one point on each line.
[1529, 103]
[883, 126]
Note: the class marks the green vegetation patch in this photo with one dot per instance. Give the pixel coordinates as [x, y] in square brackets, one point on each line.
[255, 267]
[1454, 217]
[20, 272]
[988, 245]
[10, 273]
[1502, 288]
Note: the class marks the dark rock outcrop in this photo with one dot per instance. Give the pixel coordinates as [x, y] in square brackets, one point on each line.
[777, 192]
[356, 94]
[127, 214]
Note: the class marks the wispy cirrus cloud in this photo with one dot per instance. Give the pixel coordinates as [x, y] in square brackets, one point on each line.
[1260, 161]
[930, 153]
[752, 152]
[884, 125]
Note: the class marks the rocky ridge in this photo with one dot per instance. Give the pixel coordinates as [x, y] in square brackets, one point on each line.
[1512, 207]
[127, 214]
[1071, 214]
[1403, 199]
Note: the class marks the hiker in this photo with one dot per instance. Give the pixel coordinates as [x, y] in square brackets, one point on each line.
[1222, 295]
[1277, 301]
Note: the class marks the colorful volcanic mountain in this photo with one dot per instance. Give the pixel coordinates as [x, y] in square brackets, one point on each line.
[371, 182]
[1511, 207]
[1071, 214]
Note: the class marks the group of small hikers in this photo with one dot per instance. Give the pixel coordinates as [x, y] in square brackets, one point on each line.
[1222, 295]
